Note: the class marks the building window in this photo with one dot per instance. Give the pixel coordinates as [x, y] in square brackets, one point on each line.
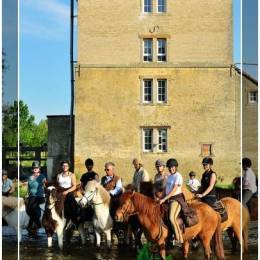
[252, 97]
[147, 90]
[148, 6]
[206, 150]
[162, 91]
[148, 140]
[161, 6]
[148, 50]
[162, 140]
[161, 49]
[155, 139]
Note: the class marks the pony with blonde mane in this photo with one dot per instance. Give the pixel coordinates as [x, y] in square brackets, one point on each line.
[151, 219]
[233, 208]
[10, 214]
[99, 198]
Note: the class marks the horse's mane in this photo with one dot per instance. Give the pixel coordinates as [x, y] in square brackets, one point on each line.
[11, 202]
[104, 194]
[147, 206]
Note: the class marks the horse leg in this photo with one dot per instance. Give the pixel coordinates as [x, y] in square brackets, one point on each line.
[236, 229]
[233, 238]
[206, 244]
[245, 239]
[108, 234]
[162, 250]
[59, 231]
[98, 238]
[185, 248]
[82, 233]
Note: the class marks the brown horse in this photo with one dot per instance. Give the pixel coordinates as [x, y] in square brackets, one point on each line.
[233, 208]
[150, 216]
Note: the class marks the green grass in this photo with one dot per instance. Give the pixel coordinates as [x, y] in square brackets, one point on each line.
[145, 254]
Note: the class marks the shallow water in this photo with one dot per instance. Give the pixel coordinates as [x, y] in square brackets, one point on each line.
[32, 248]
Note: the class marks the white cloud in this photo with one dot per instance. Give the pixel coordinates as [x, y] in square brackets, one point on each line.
[53, 8]
[45, 19]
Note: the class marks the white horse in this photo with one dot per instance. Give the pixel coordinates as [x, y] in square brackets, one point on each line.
[10, 214]
[97, 196]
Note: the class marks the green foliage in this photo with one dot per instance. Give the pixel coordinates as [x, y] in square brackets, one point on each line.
[31, 134]
[145, 254]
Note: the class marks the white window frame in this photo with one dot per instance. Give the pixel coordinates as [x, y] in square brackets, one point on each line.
[156, 138]
[252, 97]
[149, 6]
[162, 140]
[147, 50]
[164, 100]
[161, 54]
[161, 5]
[147, 134]
[144, 87]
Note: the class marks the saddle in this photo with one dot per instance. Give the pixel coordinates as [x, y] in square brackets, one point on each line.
[220, 208]
[187, 219]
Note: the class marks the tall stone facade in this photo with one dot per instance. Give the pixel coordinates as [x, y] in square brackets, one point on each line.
[157, 83]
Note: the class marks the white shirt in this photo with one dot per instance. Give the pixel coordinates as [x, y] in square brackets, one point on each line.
[64, 181]
[249, 180]
[194, 184]
[140, 176]
[172, 180]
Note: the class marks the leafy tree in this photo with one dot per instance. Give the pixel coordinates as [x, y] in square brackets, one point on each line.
[31, 134]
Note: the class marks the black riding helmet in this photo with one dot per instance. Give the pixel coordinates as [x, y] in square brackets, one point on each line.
[172, 162]
[207, 160]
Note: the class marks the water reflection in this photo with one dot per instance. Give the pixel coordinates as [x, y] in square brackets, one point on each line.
[31, 249]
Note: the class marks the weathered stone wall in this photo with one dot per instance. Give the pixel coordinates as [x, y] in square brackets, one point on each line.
[203, 96]
[58, 142]
[203, 106]
[198, 31]
[250, 123]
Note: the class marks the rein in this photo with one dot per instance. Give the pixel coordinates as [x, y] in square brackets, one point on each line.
[9, 212]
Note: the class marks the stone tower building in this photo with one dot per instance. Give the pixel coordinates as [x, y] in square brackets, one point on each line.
[154, 80]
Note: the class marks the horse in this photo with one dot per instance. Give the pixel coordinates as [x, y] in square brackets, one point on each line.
[54, 219]
[96, 195]
[233, 223]
[151, 218]
[11, 207]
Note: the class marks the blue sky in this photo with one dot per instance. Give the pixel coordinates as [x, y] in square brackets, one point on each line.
[44, 55]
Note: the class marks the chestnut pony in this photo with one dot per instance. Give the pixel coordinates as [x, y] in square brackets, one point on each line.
[150, 217]
[233, 208]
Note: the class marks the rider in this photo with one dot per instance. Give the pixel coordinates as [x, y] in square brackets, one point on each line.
[87, 213]
[160, 179]
[249, 181]
[36, 196]
[67, 181]
[140, 174]
[193, 183]
[7, 184]
[174, 196]
[207, 191]
[111, 182]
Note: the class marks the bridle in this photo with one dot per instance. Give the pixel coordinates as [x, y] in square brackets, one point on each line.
[125, 214]
[93, 193]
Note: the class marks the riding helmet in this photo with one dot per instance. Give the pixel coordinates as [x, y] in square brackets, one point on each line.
[35, 164]
[207, 160]
[171, 162]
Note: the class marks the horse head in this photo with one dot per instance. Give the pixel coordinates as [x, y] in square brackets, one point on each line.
[126, 207]
[51, 196]
[91, 191]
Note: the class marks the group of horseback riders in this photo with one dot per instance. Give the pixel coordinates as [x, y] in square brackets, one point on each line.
[167, 189]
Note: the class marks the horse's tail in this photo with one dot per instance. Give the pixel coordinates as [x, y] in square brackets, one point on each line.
[218, 243]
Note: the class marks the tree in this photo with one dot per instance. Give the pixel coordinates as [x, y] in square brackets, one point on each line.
[31, 134]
